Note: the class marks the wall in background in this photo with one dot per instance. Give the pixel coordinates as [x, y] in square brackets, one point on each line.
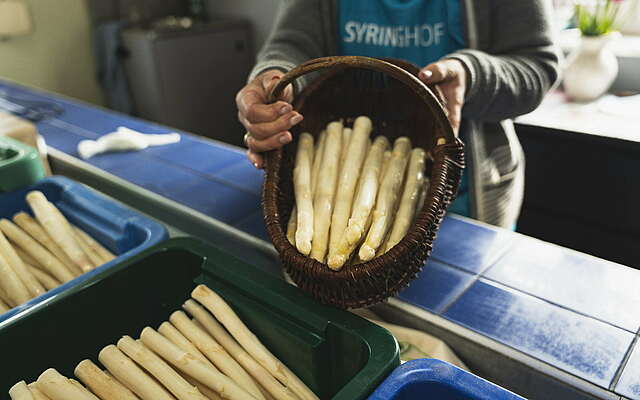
[58, 55]
[260, 13]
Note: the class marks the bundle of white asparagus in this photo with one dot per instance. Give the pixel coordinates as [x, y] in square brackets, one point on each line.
[353, 194]
[210, 356]
[39, 254]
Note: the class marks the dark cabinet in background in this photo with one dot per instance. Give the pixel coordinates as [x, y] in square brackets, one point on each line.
[188, 79]
[582, 192]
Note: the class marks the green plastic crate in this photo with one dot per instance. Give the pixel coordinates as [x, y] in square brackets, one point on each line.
[339, 355]
[20, 165]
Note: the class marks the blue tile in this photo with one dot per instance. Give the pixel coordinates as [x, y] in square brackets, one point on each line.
[586, 284]
[629, 383]
[60, 139]
[580, 345]
[219, 201]
[244, 175]
[469, 246]
[151, 174]
[436, 286]
[197, 155]
[254, 225]
[183, 186]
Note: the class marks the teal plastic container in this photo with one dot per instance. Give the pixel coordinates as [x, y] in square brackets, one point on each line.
[338, 354]
[20, 165]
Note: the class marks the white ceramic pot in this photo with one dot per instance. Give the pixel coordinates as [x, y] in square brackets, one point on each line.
[591, 68]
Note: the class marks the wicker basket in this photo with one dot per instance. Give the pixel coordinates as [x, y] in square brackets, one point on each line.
[399, 104]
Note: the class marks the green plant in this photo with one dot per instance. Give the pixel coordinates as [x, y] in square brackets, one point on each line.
[598, 17]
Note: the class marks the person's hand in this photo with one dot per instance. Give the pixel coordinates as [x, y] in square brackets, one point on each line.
[450, 76]
[267, 125]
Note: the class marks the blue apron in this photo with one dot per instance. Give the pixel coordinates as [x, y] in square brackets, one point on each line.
[419, 31]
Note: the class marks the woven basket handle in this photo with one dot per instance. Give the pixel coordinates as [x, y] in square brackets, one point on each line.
[416, 85]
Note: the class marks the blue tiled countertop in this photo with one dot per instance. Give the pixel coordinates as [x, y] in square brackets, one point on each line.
[575, 312]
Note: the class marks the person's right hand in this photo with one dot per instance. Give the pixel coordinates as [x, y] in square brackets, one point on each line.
[267, 124]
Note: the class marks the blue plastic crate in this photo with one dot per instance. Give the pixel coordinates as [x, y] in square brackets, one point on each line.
[121, 230]
[435, 379]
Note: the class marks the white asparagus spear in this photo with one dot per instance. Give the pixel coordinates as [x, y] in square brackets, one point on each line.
[410, 195]
[130, 375]
[115, 381]
[85, 263]
[292, 226]
[20, 391]
[215, 353]
[83, 389]
[262, 390]
[193, 367]
[57, 387]
[104, 254]
[100, 383]
[387, 198]
[30, 282]
[26, 257]
[385, 163]
[36, 392]
[5, 297]
[364, 202]
[380, 251]
[57, 228]
[11, 283]
[4, 307]
[169, 331]
[302, 188]
[45, 279]
[346, 139]
[30, 246]
[157, 367]
[317, 160]
[347, 182]
[223, 312]
[33, 228]
[219, 333]
[205, 390]
[95, 259]
[325, 191]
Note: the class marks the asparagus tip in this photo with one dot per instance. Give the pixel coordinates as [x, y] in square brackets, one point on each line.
[336, 261]
[366, 253]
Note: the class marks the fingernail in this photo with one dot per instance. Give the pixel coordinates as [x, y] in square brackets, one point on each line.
[284, 139]
[285, 109]
[255, 164]
[426, 74]
[296, 119]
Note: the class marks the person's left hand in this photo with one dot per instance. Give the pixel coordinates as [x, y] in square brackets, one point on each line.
[450, 76]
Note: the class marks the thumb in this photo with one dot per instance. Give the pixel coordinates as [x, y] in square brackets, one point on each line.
[434, 73]
[270, 82]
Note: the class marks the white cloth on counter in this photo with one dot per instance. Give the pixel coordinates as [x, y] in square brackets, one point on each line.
[624, 107]
[124, 139]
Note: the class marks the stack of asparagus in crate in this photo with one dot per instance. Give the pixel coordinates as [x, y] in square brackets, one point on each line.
[354, 194]
[210, 357]
[41, 253]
